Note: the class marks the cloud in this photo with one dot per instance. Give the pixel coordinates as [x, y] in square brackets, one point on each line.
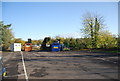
[71, 35]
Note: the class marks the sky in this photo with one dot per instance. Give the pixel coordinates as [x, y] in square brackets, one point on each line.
[119, 18]
[37, 20]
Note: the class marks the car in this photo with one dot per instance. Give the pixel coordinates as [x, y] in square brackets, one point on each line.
[2, 69]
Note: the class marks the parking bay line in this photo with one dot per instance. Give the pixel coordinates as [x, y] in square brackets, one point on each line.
[106, 60]
[36, 54]
[26, 77]
[15, 75]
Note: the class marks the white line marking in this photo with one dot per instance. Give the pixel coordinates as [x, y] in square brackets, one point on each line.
[36, 54]
[107, 60]
[15, 75]
[26, 77]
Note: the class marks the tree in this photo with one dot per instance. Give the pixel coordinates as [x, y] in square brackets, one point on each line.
[45, 41]
[60, 39]
[92, 23]
[34, 42]
[72, 43]
[19, 40]
[118, 41]
[107, 40]
[6, 35]
[67, 42]
[39, 42]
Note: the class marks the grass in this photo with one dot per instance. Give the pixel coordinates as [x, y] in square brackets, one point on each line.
[106, 51]
[103, 50]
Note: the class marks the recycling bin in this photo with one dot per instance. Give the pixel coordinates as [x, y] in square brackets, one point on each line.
[55, 47]
[28, 47]
[15, 47]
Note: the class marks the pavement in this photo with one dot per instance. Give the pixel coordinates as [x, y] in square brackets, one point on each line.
[60, 66]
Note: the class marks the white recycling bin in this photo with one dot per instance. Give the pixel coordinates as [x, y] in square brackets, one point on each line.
[15, 47]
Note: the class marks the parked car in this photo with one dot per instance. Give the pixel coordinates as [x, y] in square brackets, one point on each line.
[2, 69]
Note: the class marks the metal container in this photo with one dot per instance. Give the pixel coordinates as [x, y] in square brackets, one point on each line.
[15, 47]
[55, 47]
[28, 46]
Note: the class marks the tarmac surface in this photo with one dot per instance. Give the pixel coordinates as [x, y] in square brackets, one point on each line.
[36, 65]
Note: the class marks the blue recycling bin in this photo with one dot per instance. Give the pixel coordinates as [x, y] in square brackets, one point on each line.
[55, 47]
